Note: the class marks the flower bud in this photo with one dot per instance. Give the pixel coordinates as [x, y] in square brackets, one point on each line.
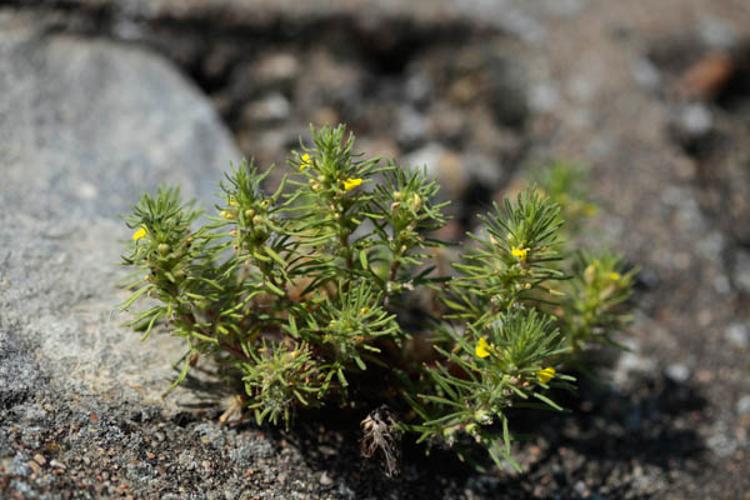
[416, 202]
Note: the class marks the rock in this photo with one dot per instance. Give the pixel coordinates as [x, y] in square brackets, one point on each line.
[268, 110]
[738, 334]
[276, 69]
[544, 97]
[85, 128]
[741, 274]
[743, 405]
[419, 88]
[508, 82]
[678, 372]
[444, 165]
[412, 127]
[694, 120]
[646, 74]
[484, 170]
[716, 33]
[446, 122]
[325, 479]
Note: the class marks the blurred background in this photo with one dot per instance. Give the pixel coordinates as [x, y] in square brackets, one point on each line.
[101, 99]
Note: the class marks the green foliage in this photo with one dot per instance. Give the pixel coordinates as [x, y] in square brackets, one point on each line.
[303, 295]
[567, 185]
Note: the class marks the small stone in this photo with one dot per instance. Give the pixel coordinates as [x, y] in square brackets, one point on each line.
[57, 465]
[646, 74]
[38, 458]
[412, 126]
[327, 450]
[741, 275]
[325, 479]
[743, 405]
[418, 88]
[272, 108]
[443, 165]
[277, 68]
[544, 97]
[678, 372]
[485, 170]
[35, 468]
[717, 33]
[580, 488]
[738, 334]
[695, 120]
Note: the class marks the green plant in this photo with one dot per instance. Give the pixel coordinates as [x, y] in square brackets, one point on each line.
[307, 296]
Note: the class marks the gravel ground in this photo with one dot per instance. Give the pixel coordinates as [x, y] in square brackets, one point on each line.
[653, 95]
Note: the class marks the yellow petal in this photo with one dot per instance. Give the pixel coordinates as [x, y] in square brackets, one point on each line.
[483, 348]
[305, 162]
[140, 233]
[352, 183]
[614, 276]
[546, 374]
[520, 253]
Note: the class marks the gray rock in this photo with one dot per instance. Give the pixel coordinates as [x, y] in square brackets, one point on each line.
[412, 126]
[443, 165]
[508, 82]
[268, 110]
[738, 335]
[85, 128]
[695, 120]
[741, 275]
[678, 372]
[743, 405]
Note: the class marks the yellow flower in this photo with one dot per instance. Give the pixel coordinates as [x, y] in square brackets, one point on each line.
[140, 233]
[233, 202]
[614, 276]
[483, 348]
[520, 253]
[352, 183]
[546, 374]
[228, 214]
[305, 162]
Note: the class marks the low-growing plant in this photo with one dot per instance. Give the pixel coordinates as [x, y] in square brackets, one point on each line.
[327, 291]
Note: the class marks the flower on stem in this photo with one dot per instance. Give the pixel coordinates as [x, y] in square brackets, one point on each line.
[228, 214]
[140, 233]
[305, 162]
[519, 253]
[352, 183]
[546, 374]
[483, 348]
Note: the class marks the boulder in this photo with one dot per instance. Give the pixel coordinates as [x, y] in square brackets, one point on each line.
[86, 126]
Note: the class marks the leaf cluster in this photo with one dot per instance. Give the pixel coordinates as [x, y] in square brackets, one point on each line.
[299, 293]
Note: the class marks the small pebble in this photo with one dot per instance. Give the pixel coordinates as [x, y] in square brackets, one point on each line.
[678, 372]
[743, 405]
[56, 464]
[325, 479]
[738, 334]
